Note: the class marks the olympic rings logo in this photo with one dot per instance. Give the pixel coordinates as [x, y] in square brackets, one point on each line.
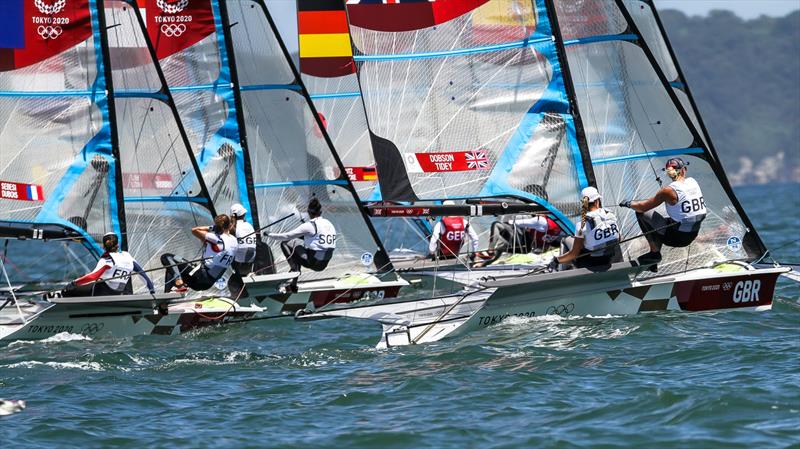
[92, 328]
[561, 309]
[172, 9]
[173, 30]
[55, 8]
[49, 32]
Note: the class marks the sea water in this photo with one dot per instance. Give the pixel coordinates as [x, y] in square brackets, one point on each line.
[716, 380]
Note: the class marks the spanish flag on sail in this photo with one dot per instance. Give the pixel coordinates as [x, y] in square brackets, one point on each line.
[325, 49]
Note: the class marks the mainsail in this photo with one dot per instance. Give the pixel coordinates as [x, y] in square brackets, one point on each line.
[636, 113]
[290, 153]
[59, 165]
[467, 100]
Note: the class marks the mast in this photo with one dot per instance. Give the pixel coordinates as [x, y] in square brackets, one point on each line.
[561, 51]
[229, 58]
[112, 118]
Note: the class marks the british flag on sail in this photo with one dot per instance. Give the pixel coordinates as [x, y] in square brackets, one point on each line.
[477, 160]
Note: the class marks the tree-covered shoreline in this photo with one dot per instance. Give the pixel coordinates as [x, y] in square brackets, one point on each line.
[745, 75]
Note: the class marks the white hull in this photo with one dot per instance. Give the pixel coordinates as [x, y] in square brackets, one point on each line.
[574, 292]
[126, 316]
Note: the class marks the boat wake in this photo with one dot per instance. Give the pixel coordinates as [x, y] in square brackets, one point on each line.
[57, 338]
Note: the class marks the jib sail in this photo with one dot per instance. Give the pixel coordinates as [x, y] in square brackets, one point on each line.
[636, 113]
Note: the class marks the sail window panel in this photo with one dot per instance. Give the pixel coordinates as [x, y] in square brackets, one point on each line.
[624, 106]
[338, 100]
[155, 161]
[198, 65]
[587, 18]
[131, 64]
[465, 103]
[546, 167]
[72, 71]
[645, 21]
[635, 179]
[255, 47]
[284, 142]
[496, 22]
[353, 237]
[202, 113]
[88, 204]
[35, 261]
[155, 228]
[39, 138]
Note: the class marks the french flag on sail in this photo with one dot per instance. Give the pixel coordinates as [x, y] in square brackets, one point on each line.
[35, 193]
[12, 25]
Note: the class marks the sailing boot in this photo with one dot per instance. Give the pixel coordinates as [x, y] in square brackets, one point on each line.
[652, 258]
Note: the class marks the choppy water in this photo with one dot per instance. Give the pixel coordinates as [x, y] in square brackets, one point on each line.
[673, 380]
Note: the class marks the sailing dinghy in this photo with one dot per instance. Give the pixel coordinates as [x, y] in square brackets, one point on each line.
[241, 98]
[529, 102]
[91, 144]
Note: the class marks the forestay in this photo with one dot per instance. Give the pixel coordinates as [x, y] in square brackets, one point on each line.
[465, 99]
[291, 155]
[636, 113]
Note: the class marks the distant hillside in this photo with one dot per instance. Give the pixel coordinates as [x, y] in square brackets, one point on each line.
[745, 75]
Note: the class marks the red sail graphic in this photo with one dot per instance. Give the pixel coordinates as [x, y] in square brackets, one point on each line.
[447, 162]
[174, 25]
[49, 28]
[408, 15]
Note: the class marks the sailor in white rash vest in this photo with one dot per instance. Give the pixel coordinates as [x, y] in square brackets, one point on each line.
[686, 210]
[111, 276]
[596, 242]
[309, 245]
[246, 250]
[219, 247]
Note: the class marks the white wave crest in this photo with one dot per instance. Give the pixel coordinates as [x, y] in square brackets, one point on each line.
[57, 338]
[85, 366]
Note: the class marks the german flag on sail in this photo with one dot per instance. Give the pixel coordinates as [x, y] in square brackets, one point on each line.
[324, 39]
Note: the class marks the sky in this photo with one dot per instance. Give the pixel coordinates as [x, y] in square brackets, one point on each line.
[747, 9]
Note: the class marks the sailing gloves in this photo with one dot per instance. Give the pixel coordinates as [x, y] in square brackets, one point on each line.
[553, 265]
[626, 203]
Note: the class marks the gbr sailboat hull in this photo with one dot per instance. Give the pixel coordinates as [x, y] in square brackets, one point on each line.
[569, 293]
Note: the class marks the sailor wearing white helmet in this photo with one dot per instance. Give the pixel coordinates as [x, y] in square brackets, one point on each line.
[245, 253]
[596, 241]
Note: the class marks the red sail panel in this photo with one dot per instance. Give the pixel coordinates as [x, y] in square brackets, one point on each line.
[174, 25]
[20, 191]
[407, 15]
[324, 39]
[47, 28]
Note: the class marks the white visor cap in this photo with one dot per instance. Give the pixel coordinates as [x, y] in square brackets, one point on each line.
[591, 193]
[237, 210]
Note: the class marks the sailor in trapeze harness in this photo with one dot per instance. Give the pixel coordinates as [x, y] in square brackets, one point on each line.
[245, 251]
[111, 276]
[448, 237]
[686, 210]
[219, 247]
[310, 244]
[596, 242]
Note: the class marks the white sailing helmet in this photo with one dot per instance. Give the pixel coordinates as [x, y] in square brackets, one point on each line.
[237, 210]
[591, 193]
[448, 203]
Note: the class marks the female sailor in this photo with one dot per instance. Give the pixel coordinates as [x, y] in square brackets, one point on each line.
[219, 247]
[686, 210]
[596, 242]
